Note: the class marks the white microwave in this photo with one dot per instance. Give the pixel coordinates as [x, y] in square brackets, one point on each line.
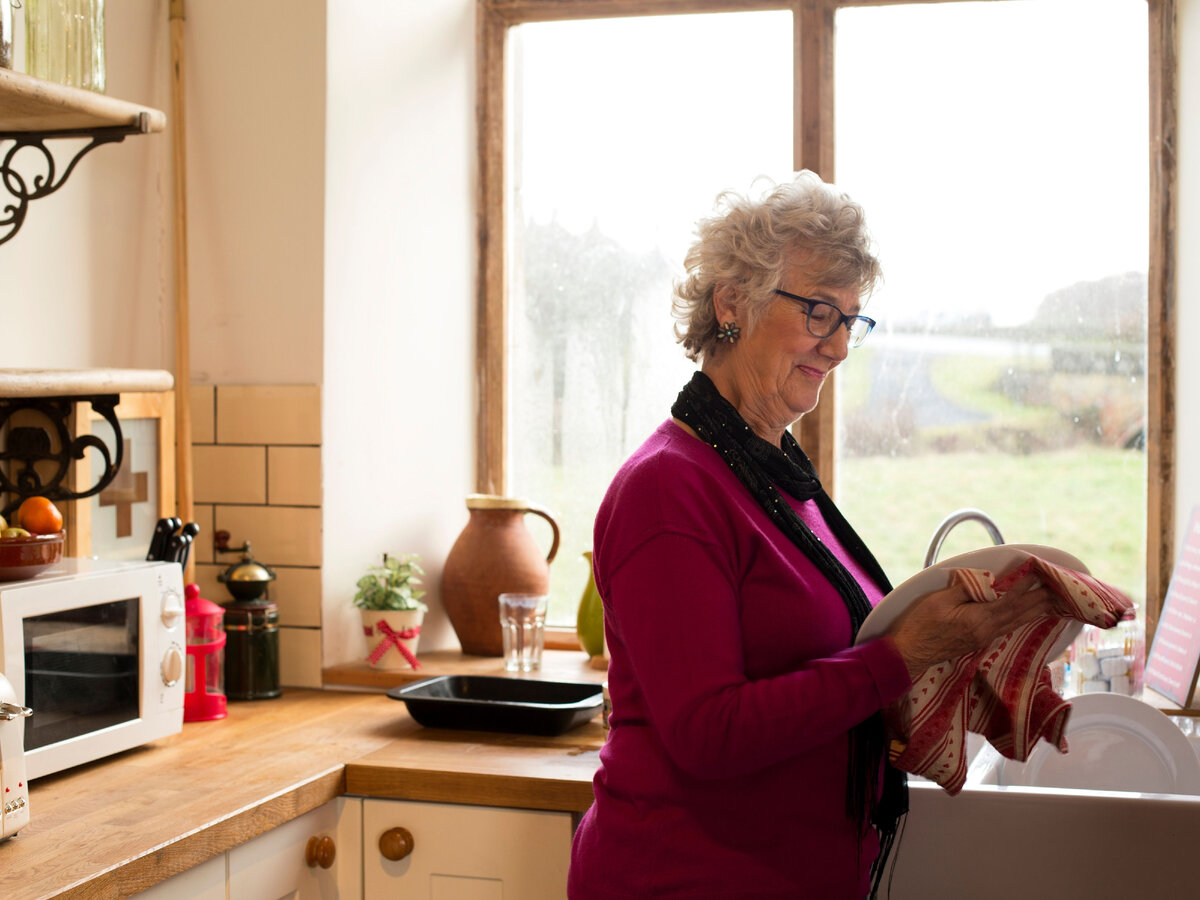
[97, 650]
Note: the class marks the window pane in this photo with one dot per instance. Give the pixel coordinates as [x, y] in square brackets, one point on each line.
[624, 132]
[1003, 165]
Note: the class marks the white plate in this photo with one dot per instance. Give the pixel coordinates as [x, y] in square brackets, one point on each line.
[998, 560]
[1115, 743]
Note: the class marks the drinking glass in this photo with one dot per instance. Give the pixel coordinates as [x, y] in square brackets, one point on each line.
[523, 623]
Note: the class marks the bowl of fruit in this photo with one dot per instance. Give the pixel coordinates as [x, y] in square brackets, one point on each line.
[32, 542]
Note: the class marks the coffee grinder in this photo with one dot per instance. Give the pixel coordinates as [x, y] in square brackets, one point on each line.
[251, 626]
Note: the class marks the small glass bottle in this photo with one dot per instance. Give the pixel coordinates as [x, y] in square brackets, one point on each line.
[64, 42]
[6, 34]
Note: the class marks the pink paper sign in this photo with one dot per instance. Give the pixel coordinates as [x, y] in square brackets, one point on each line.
[1171, 667]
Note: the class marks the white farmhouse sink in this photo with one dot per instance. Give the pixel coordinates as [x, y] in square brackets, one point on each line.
[996, 842]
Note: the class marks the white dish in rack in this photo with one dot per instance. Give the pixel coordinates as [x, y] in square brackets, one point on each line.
[1115, 743]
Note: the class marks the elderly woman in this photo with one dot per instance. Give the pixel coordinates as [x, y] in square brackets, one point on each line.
[746, 753]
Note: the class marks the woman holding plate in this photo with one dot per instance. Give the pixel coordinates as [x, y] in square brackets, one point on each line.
[746, 756]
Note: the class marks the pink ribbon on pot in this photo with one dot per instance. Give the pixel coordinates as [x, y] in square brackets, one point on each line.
[393, 638]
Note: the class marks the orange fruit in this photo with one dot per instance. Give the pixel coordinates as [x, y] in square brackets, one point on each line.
[38, 515]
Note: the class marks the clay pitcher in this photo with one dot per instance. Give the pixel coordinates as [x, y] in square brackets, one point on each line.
[494, 554]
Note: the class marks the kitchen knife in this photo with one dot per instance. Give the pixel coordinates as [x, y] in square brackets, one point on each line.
[158, 541]
[187, 537]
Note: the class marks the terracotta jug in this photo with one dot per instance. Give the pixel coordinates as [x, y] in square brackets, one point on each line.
[494, 554]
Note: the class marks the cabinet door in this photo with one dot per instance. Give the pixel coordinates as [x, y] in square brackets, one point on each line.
[273, 866]
[203, 882]
[466, 852]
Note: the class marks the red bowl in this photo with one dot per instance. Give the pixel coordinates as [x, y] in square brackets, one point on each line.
[24, 557]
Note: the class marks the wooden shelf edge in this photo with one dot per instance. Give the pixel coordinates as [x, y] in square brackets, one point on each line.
[476, 789]
[19, 383]
[29, 104]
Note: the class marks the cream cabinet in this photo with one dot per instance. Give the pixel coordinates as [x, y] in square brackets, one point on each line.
[458, 852]
[314, 857]
[317, 856]
[206, 881]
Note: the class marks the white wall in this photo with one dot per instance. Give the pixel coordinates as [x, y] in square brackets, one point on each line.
[255, 110]
[330, 241]
[87, 280]
[398, 441]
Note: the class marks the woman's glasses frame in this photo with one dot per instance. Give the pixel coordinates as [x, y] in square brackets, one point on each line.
[858, 326]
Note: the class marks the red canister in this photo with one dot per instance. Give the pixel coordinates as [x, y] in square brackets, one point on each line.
[204, 694]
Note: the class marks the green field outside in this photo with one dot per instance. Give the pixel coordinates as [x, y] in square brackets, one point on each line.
[1042, 463]
[1089, 502]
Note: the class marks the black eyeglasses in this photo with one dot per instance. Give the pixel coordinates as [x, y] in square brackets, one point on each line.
[823, 319]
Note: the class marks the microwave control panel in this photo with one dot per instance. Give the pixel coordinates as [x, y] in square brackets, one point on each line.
[172, 665]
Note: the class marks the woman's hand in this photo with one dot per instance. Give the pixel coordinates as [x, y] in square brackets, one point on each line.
[947, 623]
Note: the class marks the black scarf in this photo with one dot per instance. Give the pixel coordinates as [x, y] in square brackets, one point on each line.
[760, 466]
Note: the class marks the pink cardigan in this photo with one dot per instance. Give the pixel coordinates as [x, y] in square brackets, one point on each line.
[733, 688]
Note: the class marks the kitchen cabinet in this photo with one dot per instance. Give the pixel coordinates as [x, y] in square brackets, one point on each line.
[461, 852]
[316, 856]
[203, 882]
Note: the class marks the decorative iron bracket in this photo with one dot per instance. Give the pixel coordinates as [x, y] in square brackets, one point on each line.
[28, 445]
[48, 180]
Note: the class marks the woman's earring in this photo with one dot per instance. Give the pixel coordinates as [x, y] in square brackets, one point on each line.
[728, 331]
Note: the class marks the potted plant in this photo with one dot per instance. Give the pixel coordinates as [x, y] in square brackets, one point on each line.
[392, 611]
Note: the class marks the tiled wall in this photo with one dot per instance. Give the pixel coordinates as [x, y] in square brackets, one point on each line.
[256, 452]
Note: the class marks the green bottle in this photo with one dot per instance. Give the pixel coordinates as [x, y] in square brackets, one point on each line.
[589, 623]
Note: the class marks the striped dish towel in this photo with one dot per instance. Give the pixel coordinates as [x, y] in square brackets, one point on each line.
[1002, 692]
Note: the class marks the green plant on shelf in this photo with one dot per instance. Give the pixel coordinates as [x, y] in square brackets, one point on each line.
[392, 585]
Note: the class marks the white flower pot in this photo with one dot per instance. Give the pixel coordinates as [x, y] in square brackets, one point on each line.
[385, 630]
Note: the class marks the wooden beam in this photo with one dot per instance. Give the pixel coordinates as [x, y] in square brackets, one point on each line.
[1162, 337]
[813, 148]
[183, 407]
[490, 325]
[516, 11]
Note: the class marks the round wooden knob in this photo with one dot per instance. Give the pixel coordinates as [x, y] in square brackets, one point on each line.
[320, 851]
[396, 843]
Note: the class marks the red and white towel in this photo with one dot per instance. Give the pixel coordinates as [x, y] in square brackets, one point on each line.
[1003, 692]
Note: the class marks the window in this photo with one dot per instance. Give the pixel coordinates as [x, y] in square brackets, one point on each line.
[623, 132]
[1009, 372]
[576, 359]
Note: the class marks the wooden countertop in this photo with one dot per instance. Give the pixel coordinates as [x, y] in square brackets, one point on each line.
[120, 825]
[521, 771]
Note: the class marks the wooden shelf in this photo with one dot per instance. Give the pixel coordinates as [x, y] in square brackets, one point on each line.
[31, 105]
[82, 382]
[33, 111]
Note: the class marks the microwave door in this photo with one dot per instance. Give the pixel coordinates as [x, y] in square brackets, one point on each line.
[81, 671]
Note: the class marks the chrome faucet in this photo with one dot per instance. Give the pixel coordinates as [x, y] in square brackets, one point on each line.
[954, 519]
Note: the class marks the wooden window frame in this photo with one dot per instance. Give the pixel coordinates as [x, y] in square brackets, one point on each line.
[813, 148]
